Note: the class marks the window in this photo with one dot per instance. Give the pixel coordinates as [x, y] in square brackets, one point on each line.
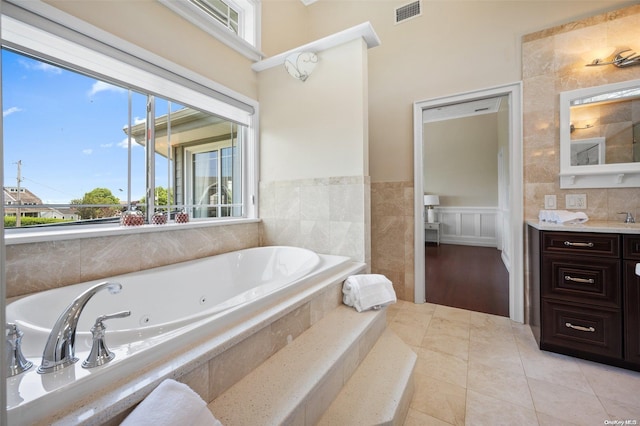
[234, 22]
[87, 135]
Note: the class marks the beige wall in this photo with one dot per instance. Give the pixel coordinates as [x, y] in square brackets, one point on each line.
[316, 128]
[460, 160]
[455, 46]
[156, 28]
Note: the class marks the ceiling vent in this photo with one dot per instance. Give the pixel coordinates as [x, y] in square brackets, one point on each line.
[408, 11]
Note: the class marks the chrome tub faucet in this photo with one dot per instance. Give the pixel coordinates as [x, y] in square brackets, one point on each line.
[59, 351]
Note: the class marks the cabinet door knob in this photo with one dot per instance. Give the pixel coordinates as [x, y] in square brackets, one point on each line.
[579, 280]
[571, 244]
[580, 328]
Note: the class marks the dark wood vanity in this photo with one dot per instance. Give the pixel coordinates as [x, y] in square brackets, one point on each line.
[584, 292]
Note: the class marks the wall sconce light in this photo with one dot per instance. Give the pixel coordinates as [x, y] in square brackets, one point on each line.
[300, 65]
[620, 59]
[429, 202]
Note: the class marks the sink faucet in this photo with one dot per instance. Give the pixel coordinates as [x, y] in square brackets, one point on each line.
[629, 218]
[59, 351]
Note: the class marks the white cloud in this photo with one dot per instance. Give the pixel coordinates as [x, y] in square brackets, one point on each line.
[124, 143]
[87, 151]
[106, 145]
[101, 86]
[10, 111]
[40, 66]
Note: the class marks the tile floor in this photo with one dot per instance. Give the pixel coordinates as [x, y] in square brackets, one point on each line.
[480, 369]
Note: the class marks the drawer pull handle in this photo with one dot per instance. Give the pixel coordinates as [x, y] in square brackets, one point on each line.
[570, 244]
[580, 328]
[579, 280]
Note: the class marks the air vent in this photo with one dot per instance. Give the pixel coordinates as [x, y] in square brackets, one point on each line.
[408, 11]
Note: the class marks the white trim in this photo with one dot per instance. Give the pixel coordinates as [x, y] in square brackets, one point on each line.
[515, 220]
[364, 30]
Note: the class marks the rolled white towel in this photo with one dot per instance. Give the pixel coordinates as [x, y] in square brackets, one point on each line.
[368, 291]
[562, 216]
[171, 403]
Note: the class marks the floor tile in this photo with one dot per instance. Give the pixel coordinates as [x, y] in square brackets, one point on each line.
[441, 366]
[485, 410]
[567, 404]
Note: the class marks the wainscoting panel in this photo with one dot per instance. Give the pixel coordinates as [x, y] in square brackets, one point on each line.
[472, 226]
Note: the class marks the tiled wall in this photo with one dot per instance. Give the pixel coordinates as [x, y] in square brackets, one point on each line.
[554, 61]
[41, 266]
[392, 223]
[327, 215]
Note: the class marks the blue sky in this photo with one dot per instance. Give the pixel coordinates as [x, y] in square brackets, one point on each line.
[67, 129]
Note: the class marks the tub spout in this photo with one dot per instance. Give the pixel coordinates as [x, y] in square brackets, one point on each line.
[59, 351]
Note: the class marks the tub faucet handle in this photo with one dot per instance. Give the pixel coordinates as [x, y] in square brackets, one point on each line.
[100, 353]
[16, 362]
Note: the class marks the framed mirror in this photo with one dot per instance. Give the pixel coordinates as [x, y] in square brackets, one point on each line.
[600, 136]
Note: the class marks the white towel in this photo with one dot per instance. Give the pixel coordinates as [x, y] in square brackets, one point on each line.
[562, 216]
[368, 291]
[171, 403]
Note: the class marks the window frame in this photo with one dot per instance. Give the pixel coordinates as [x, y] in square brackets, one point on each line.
[74, 44]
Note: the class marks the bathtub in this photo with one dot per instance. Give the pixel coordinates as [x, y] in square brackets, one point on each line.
[172, 307]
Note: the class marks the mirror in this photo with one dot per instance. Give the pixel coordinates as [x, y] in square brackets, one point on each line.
[600, 136]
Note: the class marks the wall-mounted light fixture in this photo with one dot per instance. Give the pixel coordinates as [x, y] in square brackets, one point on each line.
[620, 59]
[573, 128]
[300, 65]
[429, 202]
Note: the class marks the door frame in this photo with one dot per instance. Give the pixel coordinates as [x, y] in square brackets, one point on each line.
[515, 193]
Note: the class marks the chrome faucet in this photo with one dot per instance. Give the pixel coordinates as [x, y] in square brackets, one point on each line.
[16, 362]
[59, 351]
[629, 218]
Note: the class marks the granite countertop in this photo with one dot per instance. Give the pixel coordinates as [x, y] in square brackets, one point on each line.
[589, 226]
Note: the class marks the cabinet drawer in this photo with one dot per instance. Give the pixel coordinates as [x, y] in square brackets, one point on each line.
[582, 279]
[592, 244]
[631, 247]
[583, 329]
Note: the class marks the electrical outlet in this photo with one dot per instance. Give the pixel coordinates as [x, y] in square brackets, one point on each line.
[576, 201]
[550, 202]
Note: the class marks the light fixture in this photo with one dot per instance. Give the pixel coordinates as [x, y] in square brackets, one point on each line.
[620, 59]
[300, 65]
[573, 128]
[429, 202]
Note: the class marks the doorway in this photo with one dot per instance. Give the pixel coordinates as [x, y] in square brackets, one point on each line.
[508, 235]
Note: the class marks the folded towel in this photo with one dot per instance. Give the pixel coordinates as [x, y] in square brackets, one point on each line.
[368, 291]
[562, 216]
[171, 403]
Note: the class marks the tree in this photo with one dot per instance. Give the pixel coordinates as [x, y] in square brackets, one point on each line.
[162, 195]
[97, 196]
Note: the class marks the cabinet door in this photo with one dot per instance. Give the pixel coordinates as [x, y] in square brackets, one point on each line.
[581, 279]
[631, 312]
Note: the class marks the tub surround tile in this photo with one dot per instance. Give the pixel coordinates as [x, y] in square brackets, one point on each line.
[328, 215]
[34, 267]
[42, 266]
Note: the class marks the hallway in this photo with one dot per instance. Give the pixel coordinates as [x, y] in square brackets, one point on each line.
[467, 277]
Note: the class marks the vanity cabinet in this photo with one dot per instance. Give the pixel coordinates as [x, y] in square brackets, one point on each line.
[585, 295]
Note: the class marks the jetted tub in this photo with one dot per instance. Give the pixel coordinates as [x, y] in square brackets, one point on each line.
[169, 305]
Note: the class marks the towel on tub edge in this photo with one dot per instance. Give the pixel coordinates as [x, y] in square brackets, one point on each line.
[368, 291]
[171, 403]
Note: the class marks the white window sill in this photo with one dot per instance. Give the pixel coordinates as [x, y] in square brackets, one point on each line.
[25, 236]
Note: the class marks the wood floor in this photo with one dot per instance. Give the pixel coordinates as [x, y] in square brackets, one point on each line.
[467, 277]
